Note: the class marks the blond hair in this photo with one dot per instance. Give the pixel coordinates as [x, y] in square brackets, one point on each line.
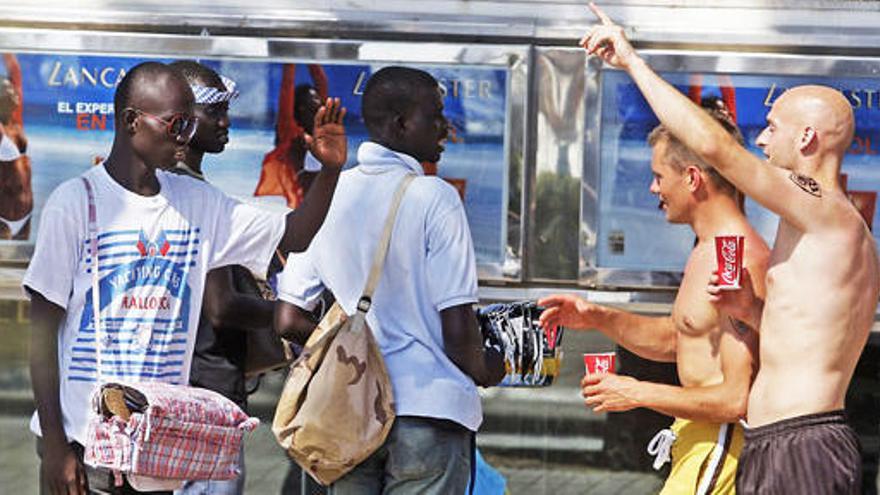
[680, 156]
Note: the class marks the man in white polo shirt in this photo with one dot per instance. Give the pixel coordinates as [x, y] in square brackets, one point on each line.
[422, 313]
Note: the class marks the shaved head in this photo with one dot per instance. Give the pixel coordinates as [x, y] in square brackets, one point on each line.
[154, 87]
[403, 110]
[823, 109]
[809, 128]
[147, 100]
[393, 91]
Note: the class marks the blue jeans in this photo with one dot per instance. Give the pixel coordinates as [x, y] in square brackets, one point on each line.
[216, 487]
[422, 456]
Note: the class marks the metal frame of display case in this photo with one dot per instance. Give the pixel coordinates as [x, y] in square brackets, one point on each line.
[524, 140]
[513, 58]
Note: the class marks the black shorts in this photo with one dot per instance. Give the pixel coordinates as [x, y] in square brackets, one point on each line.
[816, 454]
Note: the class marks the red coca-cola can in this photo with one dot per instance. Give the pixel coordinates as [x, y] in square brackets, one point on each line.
[729, 257]
[599, 362]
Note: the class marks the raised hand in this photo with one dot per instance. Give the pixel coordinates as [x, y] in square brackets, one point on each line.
[570, 311]
[608, 41]
[329, 143]
[741, 303]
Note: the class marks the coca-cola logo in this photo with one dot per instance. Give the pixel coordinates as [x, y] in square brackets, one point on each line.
[728, 255]
[603, 365]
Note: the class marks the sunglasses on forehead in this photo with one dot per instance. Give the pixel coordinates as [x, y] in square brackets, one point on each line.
[180, 126]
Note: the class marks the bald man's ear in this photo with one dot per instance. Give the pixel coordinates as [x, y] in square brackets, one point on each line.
[809, 139]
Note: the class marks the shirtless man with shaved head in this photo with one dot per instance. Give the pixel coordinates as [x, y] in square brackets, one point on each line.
[822, 284]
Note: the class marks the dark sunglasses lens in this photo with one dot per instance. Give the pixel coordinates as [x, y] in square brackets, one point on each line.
[177, 125]
[188, 129]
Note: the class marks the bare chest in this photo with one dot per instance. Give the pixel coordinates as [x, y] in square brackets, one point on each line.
[692, 312]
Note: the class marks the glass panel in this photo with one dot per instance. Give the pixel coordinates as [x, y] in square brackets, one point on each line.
[559, 161]
[68, 118]
[632, 231]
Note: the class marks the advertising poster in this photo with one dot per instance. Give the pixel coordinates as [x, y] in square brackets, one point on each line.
[57, 114]
[633, 233]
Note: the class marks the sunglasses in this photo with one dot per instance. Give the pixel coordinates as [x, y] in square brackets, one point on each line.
[180, 127]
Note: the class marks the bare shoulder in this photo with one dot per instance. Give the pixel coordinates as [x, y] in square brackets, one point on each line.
[848, 237]
[756, 252]
[843, 215]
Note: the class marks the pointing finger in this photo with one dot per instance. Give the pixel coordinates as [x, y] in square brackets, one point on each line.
[601, 15]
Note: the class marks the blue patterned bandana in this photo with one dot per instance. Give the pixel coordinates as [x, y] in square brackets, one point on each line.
[208, 96]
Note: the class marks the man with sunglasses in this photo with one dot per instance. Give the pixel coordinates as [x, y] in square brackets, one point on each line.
[157, 236]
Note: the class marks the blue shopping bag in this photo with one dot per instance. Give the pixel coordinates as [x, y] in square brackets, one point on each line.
[489, 480]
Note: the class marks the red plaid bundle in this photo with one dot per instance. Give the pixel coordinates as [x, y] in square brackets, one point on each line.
[172, 433]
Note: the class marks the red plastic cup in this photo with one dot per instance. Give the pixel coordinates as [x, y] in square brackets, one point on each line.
[599, 362]
[729, 257]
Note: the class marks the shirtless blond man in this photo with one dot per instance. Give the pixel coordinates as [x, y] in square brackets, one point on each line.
[822, 283]
[713, 353]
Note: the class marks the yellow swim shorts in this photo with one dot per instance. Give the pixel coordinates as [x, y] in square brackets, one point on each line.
[704, 457]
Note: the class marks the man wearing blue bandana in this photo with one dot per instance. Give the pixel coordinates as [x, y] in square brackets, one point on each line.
[229, 308]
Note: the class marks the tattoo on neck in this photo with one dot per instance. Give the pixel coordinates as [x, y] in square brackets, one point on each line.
[740, 327]
[808, 184]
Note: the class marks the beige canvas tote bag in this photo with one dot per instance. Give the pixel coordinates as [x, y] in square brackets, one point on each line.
[337, 406]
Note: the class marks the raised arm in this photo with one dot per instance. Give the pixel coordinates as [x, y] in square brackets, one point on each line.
[286, 126]
[728, 95]
[330, 147]
[319, 78]
[13, 71]
[650, 337]
[724, 402]
[774, 188]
